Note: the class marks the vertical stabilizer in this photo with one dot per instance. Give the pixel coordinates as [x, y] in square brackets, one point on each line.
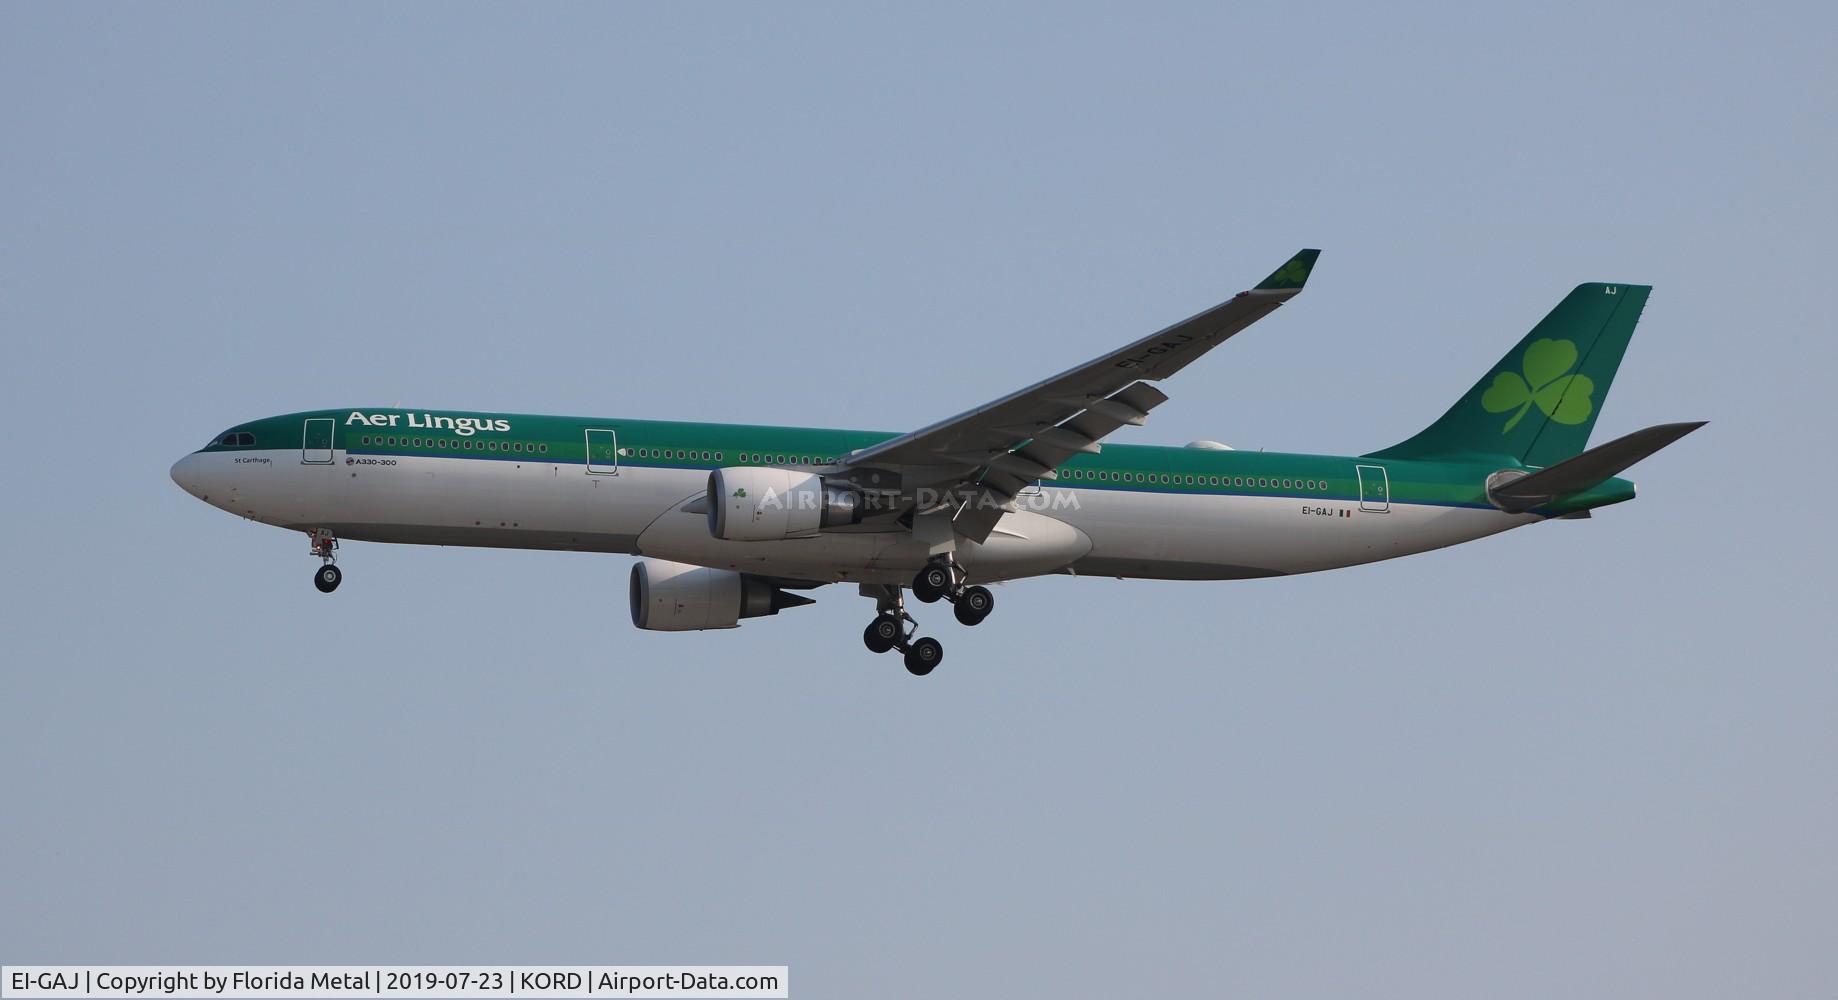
[1539, 403]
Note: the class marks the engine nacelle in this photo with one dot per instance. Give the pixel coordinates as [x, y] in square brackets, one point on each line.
[758, 504]
[678, 597]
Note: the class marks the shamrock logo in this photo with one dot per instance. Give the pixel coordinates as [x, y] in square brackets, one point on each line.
[741, 492]
[1293, 273]
[1563, 397]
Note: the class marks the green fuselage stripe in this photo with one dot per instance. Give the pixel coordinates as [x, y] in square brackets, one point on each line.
[647, 444]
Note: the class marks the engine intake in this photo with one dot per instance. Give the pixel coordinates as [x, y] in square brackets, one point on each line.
[678, 597]
[757, 504]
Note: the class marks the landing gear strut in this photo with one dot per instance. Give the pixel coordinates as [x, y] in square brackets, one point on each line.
[894, 629]
[328, 576]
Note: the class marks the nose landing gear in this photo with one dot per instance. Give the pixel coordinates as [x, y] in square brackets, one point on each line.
[328, 576]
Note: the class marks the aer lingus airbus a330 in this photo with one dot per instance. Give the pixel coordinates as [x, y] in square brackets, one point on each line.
[735, 521]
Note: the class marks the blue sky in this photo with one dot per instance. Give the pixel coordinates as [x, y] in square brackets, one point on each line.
[1589, 758]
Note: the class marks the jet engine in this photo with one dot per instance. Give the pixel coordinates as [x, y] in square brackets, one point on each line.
[755, 504]
[678, 597]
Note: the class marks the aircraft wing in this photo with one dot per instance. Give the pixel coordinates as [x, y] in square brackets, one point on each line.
[1003, 446]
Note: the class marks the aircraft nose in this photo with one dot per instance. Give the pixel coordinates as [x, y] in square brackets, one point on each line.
[187, 474]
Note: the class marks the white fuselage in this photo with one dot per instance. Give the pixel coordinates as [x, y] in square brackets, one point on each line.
[1084, 529]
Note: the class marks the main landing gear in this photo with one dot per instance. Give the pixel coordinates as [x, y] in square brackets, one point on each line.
[328, 576]
[894, 629]
[944, 579]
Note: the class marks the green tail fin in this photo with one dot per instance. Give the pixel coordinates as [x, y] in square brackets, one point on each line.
[1539, 403]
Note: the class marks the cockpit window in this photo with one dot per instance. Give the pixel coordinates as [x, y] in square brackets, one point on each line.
[235, 439]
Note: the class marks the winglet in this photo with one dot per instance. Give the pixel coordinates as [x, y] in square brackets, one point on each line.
[1291, 276]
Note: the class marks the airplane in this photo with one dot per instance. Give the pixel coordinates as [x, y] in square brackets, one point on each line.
[732, 521]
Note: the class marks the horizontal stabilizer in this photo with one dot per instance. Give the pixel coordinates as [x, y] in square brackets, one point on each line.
[1592, 467]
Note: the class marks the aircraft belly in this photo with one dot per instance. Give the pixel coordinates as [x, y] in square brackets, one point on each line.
[831, 556]
[1188, 536]
[1023, 544]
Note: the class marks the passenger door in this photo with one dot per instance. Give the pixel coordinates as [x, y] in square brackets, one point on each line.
[1374, 489]
[602, 451]
[316, 441]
